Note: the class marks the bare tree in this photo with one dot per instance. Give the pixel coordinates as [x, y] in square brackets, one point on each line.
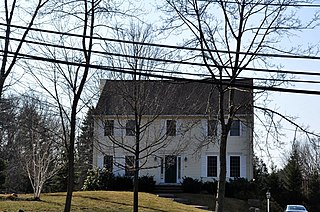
[38, 137]
[231, 37]
[15, 12]
[139, 100]
[309, 152]
[65, 83]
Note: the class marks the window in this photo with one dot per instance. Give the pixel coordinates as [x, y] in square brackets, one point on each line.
[212, 127]
[171, 128]
[212, 166]
[130, 128]
[108, 127]
[234, 166]
[235, 128]
[108, 162]
[129, 166]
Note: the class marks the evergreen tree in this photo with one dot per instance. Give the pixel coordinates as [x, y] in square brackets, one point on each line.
[292, 177]
[260, 175]
[314, 192]
[275, 186]
[84, 148]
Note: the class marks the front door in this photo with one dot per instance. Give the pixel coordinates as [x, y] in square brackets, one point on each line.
[170, 175]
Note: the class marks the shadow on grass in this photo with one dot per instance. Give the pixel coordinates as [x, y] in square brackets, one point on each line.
[119, 203]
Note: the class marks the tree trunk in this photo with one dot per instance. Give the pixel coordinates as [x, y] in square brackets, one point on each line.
[70, 151]
[1, 85]
[136, 185]
[223, 173]
[136, 159]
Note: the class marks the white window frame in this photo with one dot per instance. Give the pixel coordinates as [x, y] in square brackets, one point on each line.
[230, 165]
[207, 156]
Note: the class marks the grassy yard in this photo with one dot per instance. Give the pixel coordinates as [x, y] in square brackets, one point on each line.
[106, 201]
[109, 201]
[230, 204]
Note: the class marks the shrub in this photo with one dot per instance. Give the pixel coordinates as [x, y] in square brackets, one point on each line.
[91, 183]
[210, 187]
[190, 185]
[122, 183]
[146, 184]
[240, 188]
[102, 179]
[106, 180]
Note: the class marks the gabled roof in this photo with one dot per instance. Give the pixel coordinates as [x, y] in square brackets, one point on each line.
[166, 97]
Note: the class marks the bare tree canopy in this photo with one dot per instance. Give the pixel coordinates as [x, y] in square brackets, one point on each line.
[12, 44]
[234, 36]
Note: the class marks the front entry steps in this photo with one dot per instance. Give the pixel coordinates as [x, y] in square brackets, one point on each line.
[168, 189]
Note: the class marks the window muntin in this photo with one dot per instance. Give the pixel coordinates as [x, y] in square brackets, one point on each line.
[171, 128]
[235, 128]
[212, 128]
[109, 127]
[129, 165]
[130, 128]
[234, 166]
[108, 162]
[212, 166]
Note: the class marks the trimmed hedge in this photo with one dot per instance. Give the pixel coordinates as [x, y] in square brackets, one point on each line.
[238, 188]
[190, 185]
[102, 179]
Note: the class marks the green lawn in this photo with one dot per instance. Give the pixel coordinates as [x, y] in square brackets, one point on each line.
[93, 201]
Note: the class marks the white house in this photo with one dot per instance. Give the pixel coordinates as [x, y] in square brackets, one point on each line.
[177, 130]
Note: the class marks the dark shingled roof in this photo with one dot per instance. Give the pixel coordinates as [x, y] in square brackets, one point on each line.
[166, 97]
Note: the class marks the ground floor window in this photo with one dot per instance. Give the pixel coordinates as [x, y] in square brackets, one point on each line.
[129, 165]
[212, 166]
[234, 166]
[108, 162]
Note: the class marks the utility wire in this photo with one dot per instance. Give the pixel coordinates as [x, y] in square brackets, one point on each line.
[169, 46]
[266, 4]
[207, 81]
[172, 61]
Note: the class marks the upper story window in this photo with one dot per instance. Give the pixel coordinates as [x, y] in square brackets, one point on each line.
[109, 127]
[234, 166]
[212, 166]
[171, 128]
[130, 128]
[129, 166]
[212, 127]
[235, 128]
[108, 162]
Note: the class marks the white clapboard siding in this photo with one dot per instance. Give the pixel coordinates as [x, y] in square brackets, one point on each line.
[203, 168]
[100, 161]
[243, 166]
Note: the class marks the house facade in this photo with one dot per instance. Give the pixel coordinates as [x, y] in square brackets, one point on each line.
[174, 128]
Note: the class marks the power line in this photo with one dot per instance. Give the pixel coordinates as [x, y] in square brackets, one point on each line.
[207, 81]
[266, 4]
[175, 61]
[169, 46]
